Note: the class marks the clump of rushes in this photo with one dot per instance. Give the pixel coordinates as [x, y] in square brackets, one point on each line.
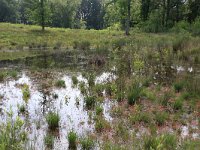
[178, 104]
[82, 88]
[49, 141]
[13, 74]
[74, 80]
[101, 124]
[72, 139]
[60, 84]
[99, 89]
[22, 109]
[178, 86]
[134, 94]
[87, 143]
[110, 89]
[2, 76]
[141, 117]
[160, 118]
[53, 120]
[26, 92]
[90, 102]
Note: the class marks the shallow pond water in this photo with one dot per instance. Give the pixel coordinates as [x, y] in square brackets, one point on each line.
[69, 104]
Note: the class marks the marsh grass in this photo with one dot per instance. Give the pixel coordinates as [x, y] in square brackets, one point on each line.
[26, 93]
[87, 143]
[53, 120]
[72, 139]
[60, 84]
[49, 140]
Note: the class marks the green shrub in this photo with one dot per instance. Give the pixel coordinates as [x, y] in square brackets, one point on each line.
[110, 89]
[87, 144]
[74, 80]
[134, 94]
[26, 92]
[181, 26]
[72, 139]
[60, 84]
[49, 141]
[178, 86]
[160, 118]
[178, 104]
[53, 120]
[90, 102]
[196, 27]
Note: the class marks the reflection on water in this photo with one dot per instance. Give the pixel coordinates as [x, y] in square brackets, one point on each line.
[73, 116]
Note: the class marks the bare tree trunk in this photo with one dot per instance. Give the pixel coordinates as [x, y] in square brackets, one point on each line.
[127, 32]
[42, 15]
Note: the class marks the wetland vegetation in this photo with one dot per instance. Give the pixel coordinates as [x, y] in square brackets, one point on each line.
[92, 87]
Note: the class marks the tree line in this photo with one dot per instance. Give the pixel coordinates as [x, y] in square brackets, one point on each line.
[151, 15]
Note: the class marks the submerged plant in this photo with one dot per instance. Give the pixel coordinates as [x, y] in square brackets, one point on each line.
[72, 139]
[53, 120]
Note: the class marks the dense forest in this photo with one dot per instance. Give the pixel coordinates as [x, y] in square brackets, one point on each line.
[148, 15]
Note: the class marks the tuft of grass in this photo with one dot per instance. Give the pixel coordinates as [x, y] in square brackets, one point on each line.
[134, 94]
[101, 124]
[178, 86]
[160, 118]
[49, 141]
[72, 139]
[22, 109]
[74, 80]
[26, 92]
[60, 84]
[178, 104]
[2, 75]
[87, 143]
[141, 117]
[53, 120]
[90, 102]
[99, 110]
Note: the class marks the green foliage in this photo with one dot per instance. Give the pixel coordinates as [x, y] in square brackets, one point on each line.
[164, 100]
[60, 84]
[87, 143]
[26, 92]
[22, 109]
[190, 144]
[12, 134]
[74, 80]
[53, 120]
[182, 26]
[49, 141]
[90, 102]
[160, 142]
[178, 86]
[83, 45]
[178, 104]
[140, 117]
[72, 139]
[2, 76]
[196, 27]
[110, 88]
[134, 93]
[99, 110]
[161, 117]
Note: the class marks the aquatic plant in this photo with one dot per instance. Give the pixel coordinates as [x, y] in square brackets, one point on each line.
[22, 109]
[99, 110]
[12, 134]
[90, 102]
[53, 120]
[49, 140]
[74, 80]
[26, 92]
[60, 84]
[87, 143]
[72, 139]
